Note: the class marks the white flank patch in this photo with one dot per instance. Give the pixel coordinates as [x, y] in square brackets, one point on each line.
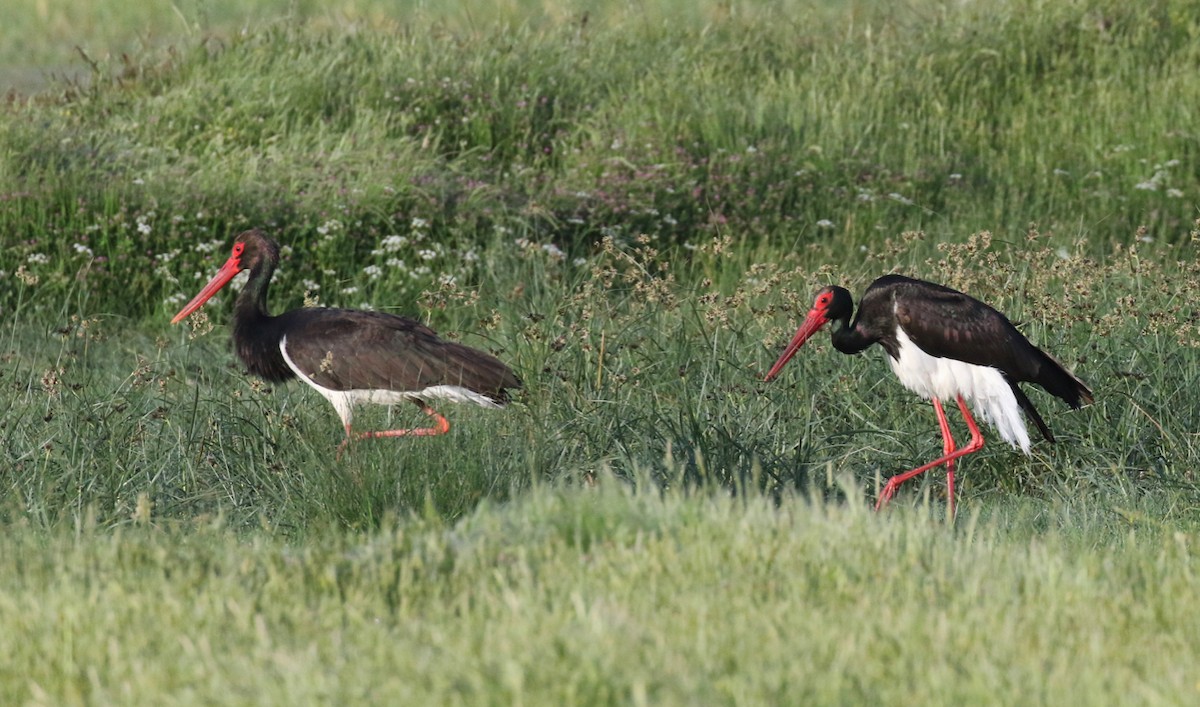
[983, 387]
[343, 401]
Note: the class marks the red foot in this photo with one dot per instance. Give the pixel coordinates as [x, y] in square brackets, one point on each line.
[948, 456]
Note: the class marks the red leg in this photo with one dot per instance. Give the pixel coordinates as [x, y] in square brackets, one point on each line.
[440, 426]
[975, 445]
[947, 447]
[948, 458]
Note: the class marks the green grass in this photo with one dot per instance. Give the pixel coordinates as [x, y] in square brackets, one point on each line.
[634, 211]
[605, 595]
[626, 368]
[760, 125]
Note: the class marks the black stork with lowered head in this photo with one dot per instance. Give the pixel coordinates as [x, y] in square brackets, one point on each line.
[351, 356]
[943, 345]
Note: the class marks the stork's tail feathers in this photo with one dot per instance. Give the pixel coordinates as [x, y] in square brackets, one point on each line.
[1058, 381]
[1032, 413]
[480, 372]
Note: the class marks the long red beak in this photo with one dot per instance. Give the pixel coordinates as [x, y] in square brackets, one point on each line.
[812, 324]
[232, 267]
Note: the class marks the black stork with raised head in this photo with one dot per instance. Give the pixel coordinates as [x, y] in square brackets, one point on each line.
[351, 356]
[944, 345]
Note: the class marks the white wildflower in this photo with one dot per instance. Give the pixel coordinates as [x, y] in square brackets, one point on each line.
[824, 223]
[330, 227]
[393, 243]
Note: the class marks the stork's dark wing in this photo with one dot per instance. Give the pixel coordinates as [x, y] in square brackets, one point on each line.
[356, 350]
[950, 324]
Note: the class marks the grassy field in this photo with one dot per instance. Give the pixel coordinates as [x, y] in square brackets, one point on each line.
[632, 205]
[611, 596]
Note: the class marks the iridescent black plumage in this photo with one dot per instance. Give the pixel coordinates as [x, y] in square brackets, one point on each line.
[349, 355]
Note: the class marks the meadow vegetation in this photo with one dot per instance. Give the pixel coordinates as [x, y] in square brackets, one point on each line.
[632, 205]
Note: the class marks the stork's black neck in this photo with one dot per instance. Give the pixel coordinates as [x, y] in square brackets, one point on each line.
[850, 338]
[250, 308]
[256, 334]
[873, 323]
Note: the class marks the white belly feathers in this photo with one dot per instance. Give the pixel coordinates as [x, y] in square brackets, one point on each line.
[984, 388]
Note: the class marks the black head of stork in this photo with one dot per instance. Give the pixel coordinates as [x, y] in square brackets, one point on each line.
[944, 345]
[351, 356]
